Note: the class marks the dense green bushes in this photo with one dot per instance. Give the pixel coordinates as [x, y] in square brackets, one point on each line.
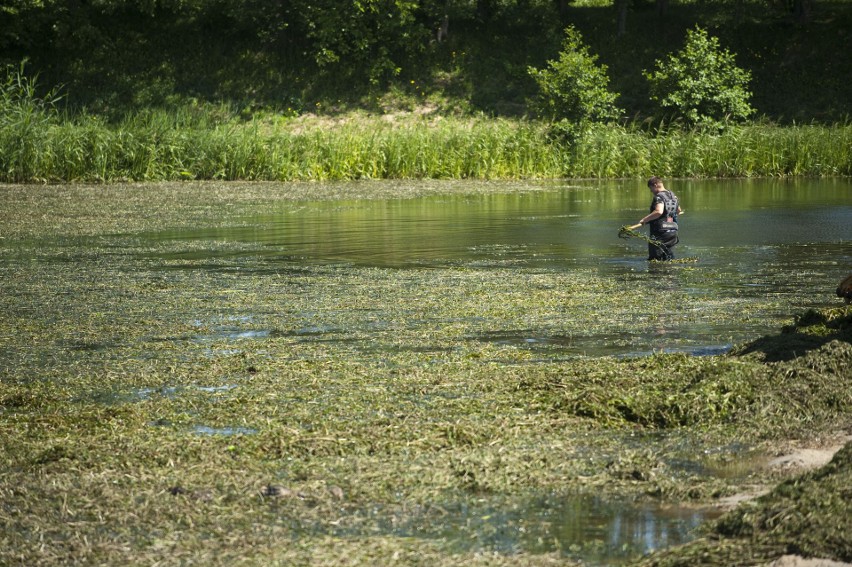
[701, 84]
[574, 89]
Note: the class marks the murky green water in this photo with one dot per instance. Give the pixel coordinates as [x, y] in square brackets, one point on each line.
[585, 527]
[727, 223]
[778, 245]
[539, 271]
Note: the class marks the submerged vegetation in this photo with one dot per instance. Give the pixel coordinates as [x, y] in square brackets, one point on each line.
[163, 403]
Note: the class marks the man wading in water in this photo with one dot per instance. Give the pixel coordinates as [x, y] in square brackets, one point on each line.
[663, 220]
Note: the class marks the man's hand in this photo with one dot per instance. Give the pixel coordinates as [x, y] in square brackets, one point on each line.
[628, 231]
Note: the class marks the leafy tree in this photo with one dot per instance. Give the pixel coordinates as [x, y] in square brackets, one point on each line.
[574, 89]
[701, 84]
[362, 39]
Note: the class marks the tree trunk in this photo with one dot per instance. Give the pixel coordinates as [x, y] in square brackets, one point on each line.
[802, 10]
[443, 29]
[622, 6]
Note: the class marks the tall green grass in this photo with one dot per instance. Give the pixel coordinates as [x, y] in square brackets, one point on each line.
[40, 144]
[741, 151]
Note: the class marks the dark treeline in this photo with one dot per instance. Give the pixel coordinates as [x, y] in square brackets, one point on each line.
[299, 55]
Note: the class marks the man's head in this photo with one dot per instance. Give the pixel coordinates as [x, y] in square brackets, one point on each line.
[655, 183]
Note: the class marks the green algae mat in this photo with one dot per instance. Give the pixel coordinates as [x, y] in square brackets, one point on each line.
[168, 403]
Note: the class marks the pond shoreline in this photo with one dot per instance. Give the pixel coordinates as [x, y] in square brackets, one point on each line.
[793, 460]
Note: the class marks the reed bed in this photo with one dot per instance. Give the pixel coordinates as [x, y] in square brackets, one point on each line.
[160, 146]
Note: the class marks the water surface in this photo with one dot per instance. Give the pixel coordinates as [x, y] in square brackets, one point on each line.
[784, 244]
[726, 222]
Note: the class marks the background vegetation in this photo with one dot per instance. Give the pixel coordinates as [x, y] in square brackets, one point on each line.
[379, 55]
[144, 90]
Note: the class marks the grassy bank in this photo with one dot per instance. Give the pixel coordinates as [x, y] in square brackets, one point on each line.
[164, 407]
[204, 145]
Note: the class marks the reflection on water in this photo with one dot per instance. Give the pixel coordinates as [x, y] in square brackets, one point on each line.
[729, 224]
[225, 431]
[586, 527]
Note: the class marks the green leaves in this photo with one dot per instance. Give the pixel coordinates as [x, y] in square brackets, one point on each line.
[701, 84]
[364, 38]
[574, 88]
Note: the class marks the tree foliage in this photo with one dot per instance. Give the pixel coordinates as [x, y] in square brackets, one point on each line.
[296, 55]
[140, 52]
[701, 84]
[574, 88]
[373, 37]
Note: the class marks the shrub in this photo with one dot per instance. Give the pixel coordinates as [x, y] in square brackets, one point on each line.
[574, 90]
[701, 84]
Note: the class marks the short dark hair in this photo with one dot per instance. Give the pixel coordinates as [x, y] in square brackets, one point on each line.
[654, 180]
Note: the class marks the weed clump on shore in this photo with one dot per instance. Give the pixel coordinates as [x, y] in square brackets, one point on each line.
[751, 388]
[809, 515]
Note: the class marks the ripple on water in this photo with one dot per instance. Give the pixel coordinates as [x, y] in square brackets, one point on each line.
[224, 431]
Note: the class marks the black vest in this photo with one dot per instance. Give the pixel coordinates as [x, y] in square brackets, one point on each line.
[668, 222]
